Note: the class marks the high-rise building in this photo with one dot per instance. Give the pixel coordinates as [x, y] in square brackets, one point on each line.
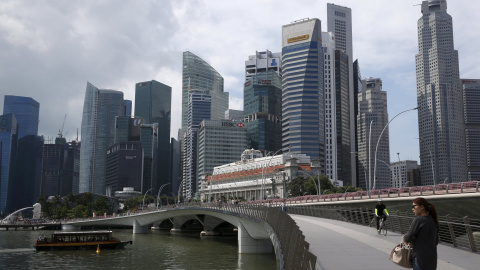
[339, 22]
[219, 142]
[400, 173]
[236, 115]
[26, 112]
[25, 173]
[371, 120]
[262, 108]
[198, 74]
[357, 88]
[127, 107]
[439, 97]
[175, 162]
[153, 102]
[98, 133]
[262, 62]
[8, 149]
[471, 99]
[303, 104]
[124, 167]
[199, 109]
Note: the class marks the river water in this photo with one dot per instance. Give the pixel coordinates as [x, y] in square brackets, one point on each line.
[155, 250]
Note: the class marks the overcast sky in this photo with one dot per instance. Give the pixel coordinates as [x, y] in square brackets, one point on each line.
[50, 49]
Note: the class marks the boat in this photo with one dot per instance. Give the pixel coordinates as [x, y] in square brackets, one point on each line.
[79, 240]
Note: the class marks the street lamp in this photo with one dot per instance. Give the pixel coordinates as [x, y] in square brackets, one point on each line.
[158, 195]
[304, 174]
[144, 196]
[264, 174]
[431, 160]
[378, 142]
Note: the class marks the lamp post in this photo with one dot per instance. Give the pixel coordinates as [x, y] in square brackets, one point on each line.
[264, 174]
[180, 187]
[378, 142]
[431, 161]
[144, 196]
[313, 182]
[159, 202]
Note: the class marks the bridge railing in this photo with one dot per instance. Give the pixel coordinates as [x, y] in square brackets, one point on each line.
[461, 233]
[294, 248]
[440, 189]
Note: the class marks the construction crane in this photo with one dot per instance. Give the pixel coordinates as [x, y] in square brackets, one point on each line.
[60, 131]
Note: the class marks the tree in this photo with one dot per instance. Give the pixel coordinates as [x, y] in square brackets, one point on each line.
[295, 187]
[100, 206]
[131, 203]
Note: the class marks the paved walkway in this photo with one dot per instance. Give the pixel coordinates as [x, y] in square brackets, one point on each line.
[344, 246]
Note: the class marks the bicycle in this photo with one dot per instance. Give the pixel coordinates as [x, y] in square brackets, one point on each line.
[382, 226]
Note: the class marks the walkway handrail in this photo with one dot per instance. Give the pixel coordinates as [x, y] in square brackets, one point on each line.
[457, 232]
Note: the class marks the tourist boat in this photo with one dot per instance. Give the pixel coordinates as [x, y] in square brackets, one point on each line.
[79, 240]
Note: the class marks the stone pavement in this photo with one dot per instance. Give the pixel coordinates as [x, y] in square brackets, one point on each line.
[344, 246]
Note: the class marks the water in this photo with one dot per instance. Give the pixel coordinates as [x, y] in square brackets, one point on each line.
[155, 250]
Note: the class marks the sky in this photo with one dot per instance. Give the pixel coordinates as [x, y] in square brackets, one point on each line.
[49, 50]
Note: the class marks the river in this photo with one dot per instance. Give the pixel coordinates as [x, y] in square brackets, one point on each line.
[155, 250]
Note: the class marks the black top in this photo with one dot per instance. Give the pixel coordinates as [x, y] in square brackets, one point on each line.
[379, 209]
[423, 235]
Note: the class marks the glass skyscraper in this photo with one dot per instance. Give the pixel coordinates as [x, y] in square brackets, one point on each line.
[26, 112]
[439, 97]
[8, 147]
[262, 107]
[98, 133]
[153, 102]
[303, 104]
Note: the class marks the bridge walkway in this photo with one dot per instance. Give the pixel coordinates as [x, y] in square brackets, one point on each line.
[346, 246]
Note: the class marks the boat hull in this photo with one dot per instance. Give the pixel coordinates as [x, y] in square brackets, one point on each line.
[81, 246]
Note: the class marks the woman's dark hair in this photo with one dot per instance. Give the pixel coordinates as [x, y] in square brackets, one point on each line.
[430, 208]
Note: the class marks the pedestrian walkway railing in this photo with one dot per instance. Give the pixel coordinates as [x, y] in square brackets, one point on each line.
[461, 233]
[294, 248]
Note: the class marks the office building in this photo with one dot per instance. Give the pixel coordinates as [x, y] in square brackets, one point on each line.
[339, 23]
[198, 74]
[199, 109]
[127, 107]
[149, 140]
[439, 97]
[303, 104]
[374, 169]
[357, 88]
[8, 148]
[219, 142]
[26, 112]
[124, 167]
[153, 102]
[175, 169]
[236, 115]
[98, 133]
[262, 108]
[25, 173]
[262, 62]
[471, 100]
[400, 173]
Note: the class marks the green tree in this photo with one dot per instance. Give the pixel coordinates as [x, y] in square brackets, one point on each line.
[86, 199]
[131, 204]
[100, 206]
[295, 187]
[310, 187]
[81, 211]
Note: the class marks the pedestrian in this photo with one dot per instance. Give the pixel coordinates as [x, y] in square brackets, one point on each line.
[283, 207]
[423, 235]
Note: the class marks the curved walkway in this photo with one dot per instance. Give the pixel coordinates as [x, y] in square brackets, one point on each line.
[347, 246]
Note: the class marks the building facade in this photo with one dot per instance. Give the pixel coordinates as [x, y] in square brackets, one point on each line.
[153, 102]
[303, 104]
[219, 142]
[8, 150]
[262, 108]
[471, 100]
[26, 111]
[98, 133]
[263, 62]
[124, 167]
[439, 97]
[371, 120]
[400, 173]
[236, 115]
[339, 23]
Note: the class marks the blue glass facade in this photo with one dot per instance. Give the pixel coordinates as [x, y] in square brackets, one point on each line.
[26, 112]
[303, 105]
[8, 148]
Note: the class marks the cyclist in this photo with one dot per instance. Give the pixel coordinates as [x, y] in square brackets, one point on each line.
[380, 212]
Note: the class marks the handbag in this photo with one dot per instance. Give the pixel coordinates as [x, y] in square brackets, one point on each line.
[402, 255]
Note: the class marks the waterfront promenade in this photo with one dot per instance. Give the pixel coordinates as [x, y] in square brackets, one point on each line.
[346, 246]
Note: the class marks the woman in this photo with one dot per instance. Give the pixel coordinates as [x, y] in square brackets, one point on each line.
[423, 235]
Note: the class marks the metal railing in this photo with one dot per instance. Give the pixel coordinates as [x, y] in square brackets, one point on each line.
[292, 242]
[461, 233]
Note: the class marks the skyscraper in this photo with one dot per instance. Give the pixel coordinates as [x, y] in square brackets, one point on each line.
[26, 112]
[262, 62]
[339, 22]
[371, 120]
[198, 74]
[153, 102]
[8, 148]
[262, 107]
[303, 105]
[471, 99]
[439, 97]
[98, 133]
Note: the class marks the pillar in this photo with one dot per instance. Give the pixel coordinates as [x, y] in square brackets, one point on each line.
[248, 245]
[137, 228]
[66, 227]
